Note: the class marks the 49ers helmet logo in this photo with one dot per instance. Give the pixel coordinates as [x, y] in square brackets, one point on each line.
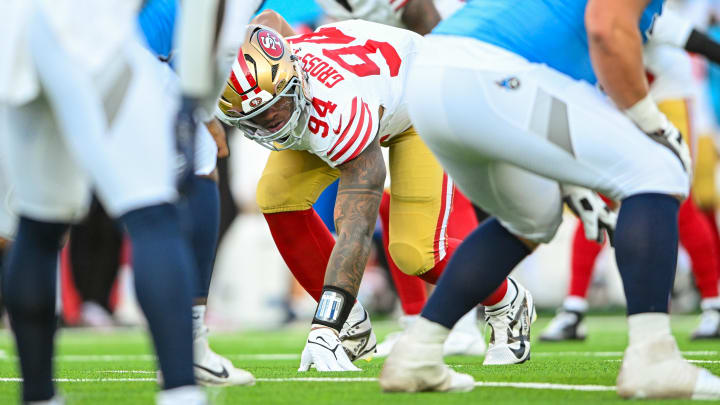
[271, 44]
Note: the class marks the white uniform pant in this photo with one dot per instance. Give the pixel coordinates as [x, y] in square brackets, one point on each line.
[52, 163]
[508, 131]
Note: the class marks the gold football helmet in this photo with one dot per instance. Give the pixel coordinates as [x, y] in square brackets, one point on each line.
[265, 72]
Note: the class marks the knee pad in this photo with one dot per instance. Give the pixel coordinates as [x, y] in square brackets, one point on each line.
[409, 258]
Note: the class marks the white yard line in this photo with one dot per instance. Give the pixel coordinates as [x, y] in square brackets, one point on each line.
[546, 386]
[150, 357]
[614, 354]
[88, 380]
[295, 356]
[526, 385]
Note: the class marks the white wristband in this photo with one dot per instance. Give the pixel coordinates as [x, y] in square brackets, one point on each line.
[646, 115]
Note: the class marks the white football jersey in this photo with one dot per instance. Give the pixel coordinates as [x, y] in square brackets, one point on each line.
[354, 68]
[90, 31]
[381, 11]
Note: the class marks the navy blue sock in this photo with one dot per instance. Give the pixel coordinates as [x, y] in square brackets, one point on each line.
[164, 268]
[203, 203]
[646, 244]
[476, 269]
[29, 293]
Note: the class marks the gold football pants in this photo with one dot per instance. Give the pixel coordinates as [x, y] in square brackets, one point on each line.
[702, 149]
[420, 197]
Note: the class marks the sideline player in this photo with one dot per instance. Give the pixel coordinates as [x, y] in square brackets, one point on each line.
[201, 200]
[334, 133]
[672, 84]
[504, 97]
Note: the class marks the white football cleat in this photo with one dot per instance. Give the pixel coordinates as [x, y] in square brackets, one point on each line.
[709, 327]
[510, 325]
[416, 363]
[465, 338]
[357, 336]
[186, 395]
[212, 369]
[656, 369]
[566, 325]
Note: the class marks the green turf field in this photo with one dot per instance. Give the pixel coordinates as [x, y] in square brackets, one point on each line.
[116, 368]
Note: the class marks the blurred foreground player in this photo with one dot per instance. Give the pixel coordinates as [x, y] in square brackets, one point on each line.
[504, 97]
[201, 200]
[81, 96]
[77, 112]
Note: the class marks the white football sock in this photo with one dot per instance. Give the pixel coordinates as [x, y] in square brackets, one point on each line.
[710, 303]
[198, 317]
[424, 330]
[648, 327]
[575, 304]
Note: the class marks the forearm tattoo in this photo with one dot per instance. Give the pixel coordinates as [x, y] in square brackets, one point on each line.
[356, 210]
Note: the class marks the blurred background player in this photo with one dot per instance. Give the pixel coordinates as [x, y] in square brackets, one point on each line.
[670, 74]
[528, 78]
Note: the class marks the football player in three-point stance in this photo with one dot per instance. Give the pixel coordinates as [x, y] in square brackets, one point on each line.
[325, 102]
[527, 74]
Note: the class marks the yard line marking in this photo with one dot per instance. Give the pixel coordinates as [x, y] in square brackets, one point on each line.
[616, 354]
[319, 379]
[151, 357]
[128, 371]
[17, 379]
[546, 386]
[496, 384]
[294, 356]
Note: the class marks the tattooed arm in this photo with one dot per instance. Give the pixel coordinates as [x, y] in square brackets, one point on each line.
[420, 16]
[356, 210]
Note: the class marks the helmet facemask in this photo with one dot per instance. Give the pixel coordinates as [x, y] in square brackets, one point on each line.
[267, 85]
[290, 133]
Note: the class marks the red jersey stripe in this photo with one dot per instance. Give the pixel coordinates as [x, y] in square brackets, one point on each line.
[355, 136]
[366, 138]
[353, 110]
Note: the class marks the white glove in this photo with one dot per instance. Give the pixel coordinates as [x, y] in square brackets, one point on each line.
[325, 351]
[670, 137]
[646, 115]
[592, 211]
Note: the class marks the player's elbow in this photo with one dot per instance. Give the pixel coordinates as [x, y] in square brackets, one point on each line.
[600, 26]
[268, 18]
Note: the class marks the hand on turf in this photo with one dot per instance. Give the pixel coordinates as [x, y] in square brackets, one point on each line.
[592, 211]
[325, 351]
